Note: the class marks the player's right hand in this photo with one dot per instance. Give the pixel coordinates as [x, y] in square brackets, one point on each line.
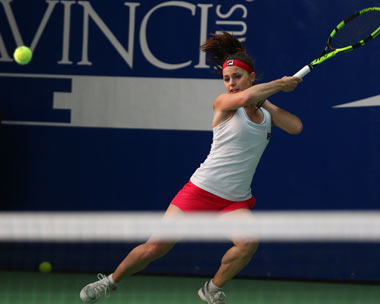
[290, 83]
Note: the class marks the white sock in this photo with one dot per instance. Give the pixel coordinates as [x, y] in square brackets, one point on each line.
[213, 287]
[111, 279]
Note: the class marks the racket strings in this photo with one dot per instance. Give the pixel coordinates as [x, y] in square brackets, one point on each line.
[356, 29]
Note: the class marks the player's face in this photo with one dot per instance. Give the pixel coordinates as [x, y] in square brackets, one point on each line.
[237, 79]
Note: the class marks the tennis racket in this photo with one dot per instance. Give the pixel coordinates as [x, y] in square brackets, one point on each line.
[350, 34]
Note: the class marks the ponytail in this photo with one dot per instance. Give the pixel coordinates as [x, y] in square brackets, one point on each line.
[221, 48]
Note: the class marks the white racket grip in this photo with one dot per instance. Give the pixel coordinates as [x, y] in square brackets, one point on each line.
[303, 72]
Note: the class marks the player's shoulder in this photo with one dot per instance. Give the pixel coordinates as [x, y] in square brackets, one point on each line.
[219, 99]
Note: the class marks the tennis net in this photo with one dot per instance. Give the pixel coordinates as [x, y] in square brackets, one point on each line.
[314, 257]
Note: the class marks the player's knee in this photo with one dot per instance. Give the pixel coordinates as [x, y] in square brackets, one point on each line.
[247, 249]
[154, 251]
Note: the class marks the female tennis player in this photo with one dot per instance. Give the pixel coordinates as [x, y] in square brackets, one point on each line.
[242, 123]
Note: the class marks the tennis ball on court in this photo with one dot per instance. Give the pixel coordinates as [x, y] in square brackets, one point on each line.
[22, 55]
[45, 267]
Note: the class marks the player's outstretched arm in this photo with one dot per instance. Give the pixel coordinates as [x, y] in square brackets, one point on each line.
[255, 94]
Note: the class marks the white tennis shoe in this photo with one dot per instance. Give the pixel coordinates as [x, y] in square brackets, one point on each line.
[93, 291]
[211, 297]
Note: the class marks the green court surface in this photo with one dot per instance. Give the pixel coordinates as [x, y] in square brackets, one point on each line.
[64, 288]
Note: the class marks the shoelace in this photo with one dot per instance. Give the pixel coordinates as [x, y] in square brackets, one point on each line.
[218, 296]
[102, 287]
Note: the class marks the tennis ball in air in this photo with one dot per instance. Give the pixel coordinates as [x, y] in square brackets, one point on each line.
[45, 267]
[22, 55]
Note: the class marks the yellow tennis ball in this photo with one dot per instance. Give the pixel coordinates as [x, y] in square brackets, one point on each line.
[22, 55]
[45, 267]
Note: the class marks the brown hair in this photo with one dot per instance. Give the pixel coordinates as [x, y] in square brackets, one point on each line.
[225, 47]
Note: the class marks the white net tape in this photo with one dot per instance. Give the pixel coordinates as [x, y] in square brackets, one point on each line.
[127, 226]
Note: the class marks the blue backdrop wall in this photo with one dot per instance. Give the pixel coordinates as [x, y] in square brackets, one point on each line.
[114, 111]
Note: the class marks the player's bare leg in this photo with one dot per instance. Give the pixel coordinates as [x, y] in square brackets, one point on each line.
[135, 261]
[233, 261]
[141, 256]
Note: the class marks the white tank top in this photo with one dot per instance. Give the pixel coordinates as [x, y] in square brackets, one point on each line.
[237, 146]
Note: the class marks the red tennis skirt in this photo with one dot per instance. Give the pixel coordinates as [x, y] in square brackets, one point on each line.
[194, 199]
